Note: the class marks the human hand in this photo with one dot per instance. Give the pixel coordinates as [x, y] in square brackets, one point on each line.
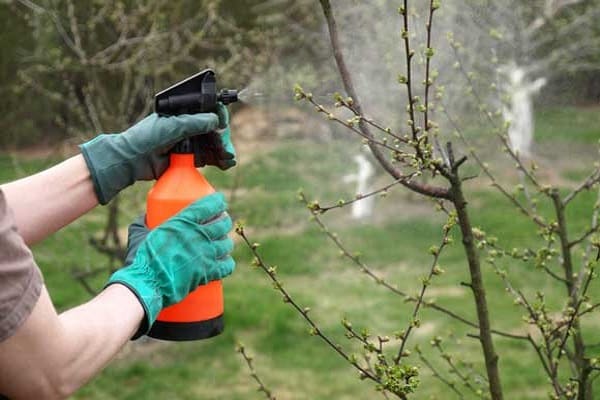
[116, 161]
[219, 151]
[190, 249]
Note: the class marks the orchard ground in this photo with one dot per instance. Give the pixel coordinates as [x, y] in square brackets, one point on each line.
[395, 242]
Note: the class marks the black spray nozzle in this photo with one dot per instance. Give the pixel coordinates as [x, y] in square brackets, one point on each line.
[196, 94]
[228, 96]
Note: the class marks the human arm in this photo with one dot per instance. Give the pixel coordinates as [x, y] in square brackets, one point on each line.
[53, 355]
[141, 152]
[37, 347]
[47, 201]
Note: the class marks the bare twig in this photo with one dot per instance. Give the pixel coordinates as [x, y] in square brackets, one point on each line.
[587, 184]
[595, 222]
[359, 196]
[434, 270]
[249, 362]
[593, 229]
[437, 344]
[304, 312]
[438, 376]
[370, 140]
[429, 54]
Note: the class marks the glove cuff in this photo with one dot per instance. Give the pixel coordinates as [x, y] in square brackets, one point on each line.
[109, 170]
[147, 295]
[93, 173]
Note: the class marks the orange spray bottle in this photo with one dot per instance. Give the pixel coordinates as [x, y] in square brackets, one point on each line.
[200, 314]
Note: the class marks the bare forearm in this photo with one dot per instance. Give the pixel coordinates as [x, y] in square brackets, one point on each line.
[45, 202]
[97, 330]
[65, 351]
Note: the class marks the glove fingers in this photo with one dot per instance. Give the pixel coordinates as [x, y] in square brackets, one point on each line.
[216, 148]
[195, 124]
[159, 162]
[225, 267]
[223, 247]
[206, 158]
[228, 154]
[223, 115]
[205, 209]
[226, 140]
[208, 148]
[226, 164]
[218, 228]
[224, 161]
[136, 235]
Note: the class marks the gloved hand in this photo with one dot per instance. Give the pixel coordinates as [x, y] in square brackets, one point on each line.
[220, 149]
[190, 249]
[116, 161]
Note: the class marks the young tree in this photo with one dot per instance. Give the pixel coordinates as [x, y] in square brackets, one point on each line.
[411, 150]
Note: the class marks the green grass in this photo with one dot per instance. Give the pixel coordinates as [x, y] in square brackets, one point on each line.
[292, 363]
[568, 124]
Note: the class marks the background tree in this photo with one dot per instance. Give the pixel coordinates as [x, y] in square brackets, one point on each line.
[509, 50]
[410, 150]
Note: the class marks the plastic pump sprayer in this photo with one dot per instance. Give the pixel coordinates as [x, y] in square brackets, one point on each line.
[200, 314]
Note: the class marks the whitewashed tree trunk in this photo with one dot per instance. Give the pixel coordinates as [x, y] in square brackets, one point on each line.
[363, 208]
[519, 109]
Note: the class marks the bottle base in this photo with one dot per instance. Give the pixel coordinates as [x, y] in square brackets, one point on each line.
[186, 331]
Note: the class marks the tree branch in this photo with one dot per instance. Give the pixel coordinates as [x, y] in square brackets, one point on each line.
[261, 386]
[418, 187]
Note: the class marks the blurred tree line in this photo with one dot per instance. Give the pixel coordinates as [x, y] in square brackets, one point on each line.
[558, 40]
[15, 39]
[72, 69]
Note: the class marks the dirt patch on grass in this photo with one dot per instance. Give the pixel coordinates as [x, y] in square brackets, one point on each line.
[446, 291]
[426, 329]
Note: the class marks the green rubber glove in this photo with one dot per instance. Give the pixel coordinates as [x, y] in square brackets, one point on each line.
[116, 161]
[167, 263]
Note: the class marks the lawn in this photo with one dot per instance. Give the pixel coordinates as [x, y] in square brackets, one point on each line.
[395, 243]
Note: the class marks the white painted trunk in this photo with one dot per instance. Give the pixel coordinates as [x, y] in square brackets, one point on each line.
[519, 111]
[362, 208]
